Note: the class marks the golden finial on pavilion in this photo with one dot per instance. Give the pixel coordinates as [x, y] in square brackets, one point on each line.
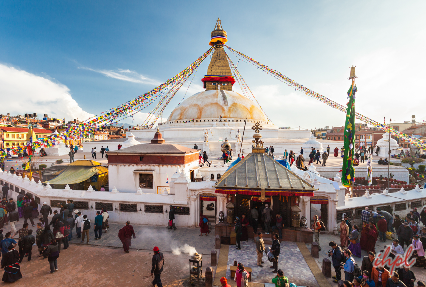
[258, 144]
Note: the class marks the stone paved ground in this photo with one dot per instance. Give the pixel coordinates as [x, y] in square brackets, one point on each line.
[291, 262]
[83, 265]
[147, 237]
[101, 263]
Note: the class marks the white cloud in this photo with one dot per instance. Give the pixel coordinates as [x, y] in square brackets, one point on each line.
[125, 75]
[22, 92]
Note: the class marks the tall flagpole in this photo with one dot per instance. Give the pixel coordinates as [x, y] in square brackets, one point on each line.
[348, 172]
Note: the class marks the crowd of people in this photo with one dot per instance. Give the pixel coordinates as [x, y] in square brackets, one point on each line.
[380, 225]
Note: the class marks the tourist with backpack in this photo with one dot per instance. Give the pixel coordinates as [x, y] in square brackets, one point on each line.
[241, 276]
[317, 226]
[86, 228]
[52, 253]
[280, 280]
[349, 265]
[337, 259]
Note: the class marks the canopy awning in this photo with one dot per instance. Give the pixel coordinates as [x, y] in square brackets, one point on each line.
[319, 200]
[74, 175]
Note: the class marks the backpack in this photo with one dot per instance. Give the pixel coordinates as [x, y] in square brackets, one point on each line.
[357, 270]
[86, 225]
[281, 282]
[322, 226]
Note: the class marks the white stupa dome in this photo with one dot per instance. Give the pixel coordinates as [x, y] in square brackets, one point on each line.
[213, 104]
[312, 143]
[130, 141]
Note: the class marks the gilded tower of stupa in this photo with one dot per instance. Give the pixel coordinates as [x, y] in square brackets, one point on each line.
[219, 73]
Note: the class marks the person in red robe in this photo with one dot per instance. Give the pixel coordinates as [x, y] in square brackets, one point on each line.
[204, 225]
[244, 223]
[364, 237]
[336, 152]
[372, 236]
[125, 235]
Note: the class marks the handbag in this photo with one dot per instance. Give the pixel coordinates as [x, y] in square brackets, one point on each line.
[170, 223]
[59, 235]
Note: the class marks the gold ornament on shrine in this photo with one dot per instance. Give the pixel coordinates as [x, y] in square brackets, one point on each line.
[258, 144]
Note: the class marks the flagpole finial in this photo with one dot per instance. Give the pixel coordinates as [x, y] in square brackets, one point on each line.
[352, 74]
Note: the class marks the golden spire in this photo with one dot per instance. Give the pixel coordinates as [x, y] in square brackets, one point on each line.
[218, 26]
[219, 73]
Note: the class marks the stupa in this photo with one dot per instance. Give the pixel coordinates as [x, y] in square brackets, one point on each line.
[218, 113]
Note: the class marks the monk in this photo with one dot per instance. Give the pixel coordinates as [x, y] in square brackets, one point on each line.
[372, 235]
[364, 237]
[125, 235]
[336, 152]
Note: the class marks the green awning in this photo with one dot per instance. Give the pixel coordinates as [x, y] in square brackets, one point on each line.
[74, 175]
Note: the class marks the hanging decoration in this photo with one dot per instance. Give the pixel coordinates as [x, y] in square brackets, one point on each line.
[298, 87]
[165, 92]
[348, 171]
[370, 170]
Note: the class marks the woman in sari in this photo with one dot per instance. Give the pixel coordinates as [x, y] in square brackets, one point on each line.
[244, 224]
[355, 246]
[344, 234]
[10, 263]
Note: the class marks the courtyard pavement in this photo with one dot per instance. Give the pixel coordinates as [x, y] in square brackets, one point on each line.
[291, 261]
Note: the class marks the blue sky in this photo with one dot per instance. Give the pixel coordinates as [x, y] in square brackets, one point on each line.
[76, 58]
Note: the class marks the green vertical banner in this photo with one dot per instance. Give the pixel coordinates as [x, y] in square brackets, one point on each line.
[348, 172]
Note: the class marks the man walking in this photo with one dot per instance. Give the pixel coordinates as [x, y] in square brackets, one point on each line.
[5, 190]
[267, 218]
[22, 233]
[405, 234]
[78, 224]
[102, 151]
[13, 215]
[70, 225]
[71, 155]
[324, 158]
[172, 218]
[157, 267]
[260, 247]
[328, 150]
[86, 228]
[275, 249]
[254, 218]
[27, 242]
[125, 234]
[98, 225]
[336, 257]
[365, 215]
[45, 211]
[70, 206]
[28, 213]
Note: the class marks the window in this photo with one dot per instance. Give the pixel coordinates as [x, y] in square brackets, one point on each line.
[153, 209]
[145, 180]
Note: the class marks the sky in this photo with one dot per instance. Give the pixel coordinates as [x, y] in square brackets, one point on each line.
[75, 59]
